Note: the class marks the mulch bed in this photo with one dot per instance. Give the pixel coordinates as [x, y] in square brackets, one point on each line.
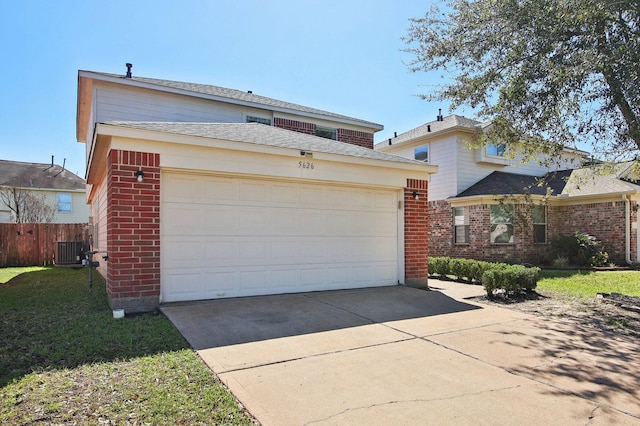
[611, 312]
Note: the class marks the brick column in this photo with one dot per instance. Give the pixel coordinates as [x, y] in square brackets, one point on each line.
[133, 231]
[416, 234]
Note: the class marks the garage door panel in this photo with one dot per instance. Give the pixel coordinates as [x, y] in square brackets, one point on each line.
[230, 237]
[255, 251]
[186, 189]
[284, 222]
[218, 189]
[220, 220]
[254, 191]
[183, 219]
[285, 194]
[188, 252]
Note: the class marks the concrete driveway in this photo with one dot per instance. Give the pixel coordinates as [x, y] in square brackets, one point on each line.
[399, 355]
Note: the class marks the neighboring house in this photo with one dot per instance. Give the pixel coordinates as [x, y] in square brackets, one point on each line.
[487, 206]
[61, 189]
[202, 192]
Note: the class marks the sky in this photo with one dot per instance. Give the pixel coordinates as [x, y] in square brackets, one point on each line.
[341, 56]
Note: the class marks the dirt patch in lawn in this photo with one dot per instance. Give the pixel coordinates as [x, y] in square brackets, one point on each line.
[608, 312]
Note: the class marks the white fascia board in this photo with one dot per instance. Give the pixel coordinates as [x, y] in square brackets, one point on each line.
[489, 199]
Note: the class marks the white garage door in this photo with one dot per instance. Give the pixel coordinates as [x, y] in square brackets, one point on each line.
[229, 237]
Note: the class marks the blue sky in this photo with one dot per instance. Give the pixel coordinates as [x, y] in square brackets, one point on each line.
[342, 56]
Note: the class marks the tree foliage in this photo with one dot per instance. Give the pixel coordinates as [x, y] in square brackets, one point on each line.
[546, 73]
[27, 206]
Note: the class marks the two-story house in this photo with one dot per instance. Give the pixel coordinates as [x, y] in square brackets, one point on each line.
[201, 192]
[57, 194]
[486, 205]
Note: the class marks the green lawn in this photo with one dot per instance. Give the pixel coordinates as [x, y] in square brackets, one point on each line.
[586, 284]
[64, 359]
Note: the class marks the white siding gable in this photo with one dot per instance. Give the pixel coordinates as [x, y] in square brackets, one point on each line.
[133, 104]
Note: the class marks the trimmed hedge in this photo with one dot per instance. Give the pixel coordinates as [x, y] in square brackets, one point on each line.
[512, 279]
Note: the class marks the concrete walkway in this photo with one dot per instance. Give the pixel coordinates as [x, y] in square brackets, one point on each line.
[398, 355]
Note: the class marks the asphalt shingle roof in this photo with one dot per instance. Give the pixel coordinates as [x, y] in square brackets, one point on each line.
[238, 95]
[576, 182]
[38, 175]
[261, 134]
[448, 122]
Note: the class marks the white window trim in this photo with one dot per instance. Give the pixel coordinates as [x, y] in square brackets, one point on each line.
[70, 211]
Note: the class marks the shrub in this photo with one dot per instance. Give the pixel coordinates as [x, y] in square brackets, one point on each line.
[581, 249]
[513, 279]
[439, 266]
[477, 268]
[458, 268]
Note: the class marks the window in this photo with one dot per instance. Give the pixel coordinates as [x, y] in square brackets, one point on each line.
[252, 119]
[327, 133]
[539, 224]
[495, 150]
[64, 203]
[460, 225]
[501, 224]
[421, 153]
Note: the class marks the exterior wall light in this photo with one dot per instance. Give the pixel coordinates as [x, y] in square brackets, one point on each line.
[140, 175]
[416, 196]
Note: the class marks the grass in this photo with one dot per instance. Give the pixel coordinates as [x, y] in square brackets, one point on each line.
[7, 274]
[586, 284]
[64, 359]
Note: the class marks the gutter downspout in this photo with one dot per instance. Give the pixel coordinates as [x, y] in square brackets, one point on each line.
[627, 229]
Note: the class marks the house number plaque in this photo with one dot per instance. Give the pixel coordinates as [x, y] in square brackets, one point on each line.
[305, 165]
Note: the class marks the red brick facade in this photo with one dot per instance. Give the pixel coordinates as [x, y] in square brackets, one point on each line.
[416, 233]
[605, 221]
[352, 137]
[294, 125]
[133, 231]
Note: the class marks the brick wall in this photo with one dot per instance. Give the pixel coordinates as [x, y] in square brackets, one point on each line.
[133, 231]
[352, 137]
[355, 137]
[416, 233]
[294, 125]
[604, 221]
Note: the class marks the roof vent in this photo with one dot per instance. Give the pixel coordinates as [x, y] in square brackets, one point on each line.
[439, 117]
[428, 127]
[389, 141]
[249, 91]
[129, 66]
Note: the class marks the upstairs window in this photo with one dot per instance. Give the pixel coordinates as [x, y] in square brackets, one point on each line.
[253, 119]
[501, 224]
[64, 203]
[460, 225]
[539, 224]
[495, 150]
[327, 133]
[421, 153]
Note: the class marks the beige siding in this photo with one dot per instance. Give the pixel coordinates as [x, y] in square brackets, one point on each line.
[459, 168]
[443, 153]
[132, 104]
[79, 208]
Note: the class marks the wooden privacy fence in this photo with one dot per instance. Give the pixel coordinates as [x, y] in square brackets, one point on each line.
[36, 244]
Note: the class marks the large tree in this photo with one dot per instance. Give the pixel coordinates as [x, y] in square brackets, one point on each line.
[27, 206]
[552, 72]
